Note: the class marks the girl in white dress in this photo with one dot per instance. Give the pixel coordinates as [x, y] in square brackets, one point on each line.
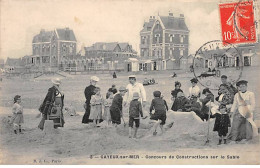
[96, 103]
[17, 118]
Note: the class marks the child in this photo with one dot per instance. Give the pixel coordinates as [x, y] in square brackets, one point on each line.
[135, 110]
[96, 103]
[222, 123]
[17, 118]
[116, 107]
[160, 107]
[107, 104]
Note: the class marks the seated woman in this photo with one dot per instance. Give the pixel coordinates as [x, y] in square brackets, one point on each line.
[180, 102]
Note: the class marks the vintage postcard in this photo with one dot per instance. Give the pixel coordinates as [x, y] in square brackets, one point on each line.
[129, 82]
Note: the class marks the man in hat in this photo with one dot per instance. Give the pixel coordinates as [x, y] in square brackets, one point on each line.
[194, 89]
[89, 91]
[243, 126]
[132, 87]
[117, 106]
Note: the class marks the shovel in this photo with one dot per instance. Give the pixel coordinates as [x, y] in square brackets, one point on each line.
[207, 141]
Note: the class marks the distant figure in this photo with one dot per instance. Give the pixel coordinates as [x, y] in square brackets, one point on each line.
[17, 118]
[174, 75]
[146, 81]
[114, 75]
[209, 70]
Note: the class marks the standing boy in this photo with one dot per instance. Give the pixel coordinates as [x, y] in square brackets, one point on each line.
[135, 110]
[160, 107]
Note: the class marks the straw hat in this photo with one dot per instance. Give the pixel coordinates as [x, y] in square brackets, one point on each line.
[94, 78]
[56, 81]
[122, 88]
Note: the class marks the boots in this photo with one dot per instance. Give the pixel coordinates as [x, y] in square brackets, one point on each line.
[219, 141]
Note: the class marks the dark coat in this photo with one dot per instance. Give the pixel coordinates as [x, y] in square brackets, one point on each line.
[47, 106]
[175, 92]
[89, 91]
[222, 123]
[205, 109]
[180, 103]
[49, 100]
[116, 109]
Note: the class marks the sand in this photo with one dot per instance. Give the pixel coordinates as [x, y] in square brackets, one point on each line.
[76, 143]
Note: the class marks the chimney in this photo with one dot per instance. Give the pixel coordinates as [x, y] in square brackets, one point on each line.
[182, 16]
[152, 18]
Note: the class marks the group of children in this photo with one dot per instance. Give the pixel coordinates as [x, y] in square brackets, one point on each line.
[112, 111]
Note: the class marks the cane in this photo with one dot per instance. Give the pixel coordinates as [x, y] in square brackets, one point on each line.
[207, 141]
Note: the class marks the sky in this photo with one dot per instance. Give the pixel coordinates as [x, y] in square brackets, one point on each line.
[100, 21]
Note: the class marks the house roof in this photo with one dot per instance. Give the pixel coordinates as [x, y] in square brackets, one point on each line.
[66, 34]
[63, 34]
[171, 22]
[13, 62]
[44, 36]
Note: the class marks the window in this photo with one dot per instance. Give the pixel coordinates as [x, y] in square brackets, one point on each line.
[171, 37]
[171, 52]
[181, 38]
[157, 38]
[181, 52]
[143, 39]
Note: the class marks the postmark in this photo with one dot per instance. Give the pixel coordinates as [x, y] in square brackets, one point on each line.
[237, 22]
[216, 58]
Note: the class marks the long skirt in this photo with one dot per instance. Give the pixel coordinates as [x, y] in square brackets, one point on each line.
[240, 129]
[85, 118]
[17, 119]
[44, 117]
[107, 115]
[115, 116]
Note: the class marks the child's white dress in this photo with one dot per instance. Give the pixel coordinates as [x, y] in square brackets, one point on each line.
[96, 103]
[17, 114]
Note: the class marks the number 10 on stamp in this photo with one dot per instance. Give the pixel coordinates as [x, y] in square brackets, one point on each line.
[237, 22]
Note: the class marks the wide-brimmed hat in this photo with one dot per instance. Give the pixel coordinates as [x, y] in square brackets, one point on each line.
[241, 82]
[132, 76]
[94, 78]
[56, 81]
[135, 95]
[122, 88]
[194, 80]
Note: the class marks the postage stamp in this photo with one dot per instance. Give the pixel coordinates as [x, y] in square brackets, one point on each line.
[237, 22]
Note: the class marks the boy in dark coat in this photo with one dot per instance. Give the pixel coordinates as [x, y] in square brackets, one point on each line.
[222, 123]
[160, 107]
[116, 107]
[135, 110]
[180, 102]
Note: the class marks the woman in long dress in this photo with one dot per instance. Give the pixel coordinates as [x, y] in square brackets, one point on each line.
[243, 126]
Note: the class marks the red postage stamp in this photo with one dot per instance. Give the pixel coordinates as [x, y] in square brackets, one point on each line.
[237, 22]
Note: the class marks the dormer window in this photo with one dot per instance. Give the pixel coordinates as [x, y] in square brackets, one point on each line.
[181, 38]
[157, 37]
[171, 37]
